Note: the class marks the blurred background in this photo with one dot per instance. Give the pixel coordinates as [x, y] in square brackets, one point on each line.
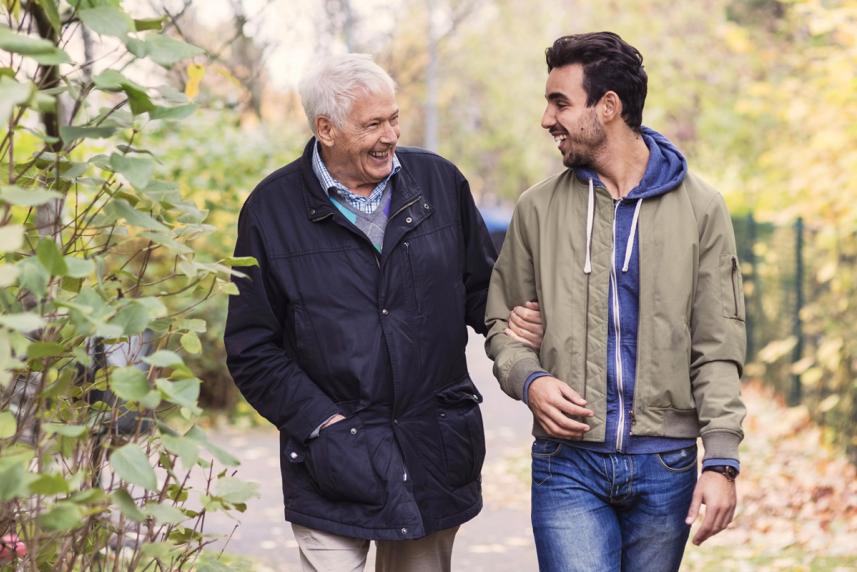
[761, 95]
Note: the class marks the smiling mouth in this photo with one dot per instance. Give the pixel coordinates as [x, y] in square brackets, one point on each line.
[380, 155]
[558, 138]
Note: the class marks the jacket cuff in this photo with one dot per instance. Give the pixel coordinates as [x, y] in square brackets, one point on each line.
[720, 445]
[519, 373]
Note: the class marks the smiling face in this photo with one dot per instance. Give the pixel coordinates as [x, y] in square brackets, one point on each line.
[576, 128]
[359, 153]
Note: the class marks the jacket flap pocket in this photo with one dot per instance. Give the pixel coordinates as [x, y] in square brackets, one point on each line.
[460, 391]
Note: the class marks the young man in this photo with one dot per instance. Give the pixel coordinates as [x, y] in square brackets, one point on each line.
[350, 335]
[632, 259]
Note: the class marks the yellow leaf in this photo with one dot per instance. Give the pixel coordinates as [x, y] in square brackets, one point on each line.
[195, 73]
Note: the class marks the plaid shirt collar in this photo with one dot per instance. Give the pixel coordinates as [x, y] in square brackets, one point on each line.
[366, 204]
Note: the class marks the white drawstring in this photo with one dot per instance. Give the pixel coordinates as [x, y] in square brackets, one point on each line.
[590, 215]
[630, 247]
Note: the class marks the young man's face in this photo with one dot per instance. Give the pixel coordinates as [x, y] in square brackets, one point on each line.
[575, 128]
[361, 152]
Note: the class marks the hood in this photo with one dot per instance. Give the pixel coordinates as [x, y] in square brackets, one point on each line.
[665, 170]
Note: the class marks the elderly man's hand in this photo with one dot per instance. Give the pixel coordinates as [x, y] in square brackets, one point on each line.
[526, 325]
[553, 402]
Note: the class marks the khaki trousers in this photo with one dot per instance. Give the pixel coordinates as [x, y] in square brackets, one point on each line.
[325, 552]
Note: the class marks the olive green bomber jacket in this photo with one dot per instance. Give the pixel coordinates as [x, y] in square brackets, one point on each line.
[691, 335]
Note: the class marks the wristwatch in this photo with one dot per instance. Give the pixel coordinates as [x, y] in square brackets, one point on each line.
[727, 471]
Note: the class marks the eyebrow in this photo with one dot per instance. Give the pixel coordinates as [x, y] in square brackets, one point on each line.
[381, 117]
[555, 95]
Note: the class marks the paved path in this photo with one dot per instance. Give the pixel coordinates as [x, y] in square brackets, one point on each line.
[498, 540]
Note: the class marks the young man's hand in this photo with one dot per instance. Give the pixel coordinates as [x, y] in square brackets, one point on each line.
[526, 325]
[718, 495]
[552, 402]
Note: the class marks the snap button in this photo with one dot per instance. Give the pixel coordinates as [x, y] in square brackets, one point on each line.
[312, 211]
[409, 220]
[395, 421]
[426, 206]
[385, 311]
[354, 431]
[404, 531]
[293, 455]
[405, 244]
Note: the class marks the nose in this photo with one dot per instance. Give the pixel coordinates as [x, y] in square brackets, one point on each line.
[390, 134]
[548, 118]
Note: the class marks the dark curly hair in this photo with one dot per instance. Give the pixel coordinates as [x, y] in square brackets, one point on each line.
[609, 64]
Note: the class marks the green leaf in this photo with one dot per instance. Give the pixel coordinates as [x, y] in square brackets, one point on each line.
[51, 258]
[23, 322]
[224, 457]
[190, 342]
[49, 484]
[51, 13]
[240, 261]
[138, 98]
[12, 93]
[164, 358]
[151, 399]
[71, 431]
[8, 425]
[167, 51]
[44, 349]
[131, 464]
[194, 325]
[27, 197]
[184, 393]
[186, 449]
[8, 275]
[145, 24]
[164, 514]
[177, 112]
[79, 267]
[129, 383]
[13, 482]
[33, 276]
[133, 318]
[137, 170]
[122, 499]
[234, 490]
[120, 208]
[11, 237]
[61, 517]
[107, 20]
[70, 133]
[43, 51]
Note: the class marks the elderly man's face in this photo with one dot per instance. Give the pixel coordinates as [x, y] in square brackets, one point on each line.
[360, 152]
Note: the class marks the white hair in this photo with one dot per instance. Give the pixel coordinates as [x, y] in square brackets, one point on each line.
[329, 89]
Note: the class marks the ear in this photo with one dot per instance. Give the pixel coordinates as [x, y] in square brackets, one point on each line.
[325, 130]
[610, 107]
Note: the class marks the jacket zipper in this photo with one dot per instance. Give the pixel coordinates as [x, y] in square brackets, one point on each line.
[617, 326]
[735, 284]
[404, 206]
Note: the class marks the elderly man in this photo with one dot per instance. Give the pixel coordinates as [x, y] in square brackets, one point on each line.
[632, 258]
[350, 335]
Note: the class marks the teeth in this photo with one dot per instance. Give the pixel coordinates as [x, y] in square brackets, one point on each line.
[559, 138]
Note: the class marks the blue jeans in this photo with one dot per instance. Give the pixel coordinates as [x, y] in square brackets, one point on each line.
[610, 512]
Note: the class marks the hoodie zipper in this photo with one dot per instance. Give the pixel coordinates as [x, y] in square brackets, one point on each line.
[617, 326]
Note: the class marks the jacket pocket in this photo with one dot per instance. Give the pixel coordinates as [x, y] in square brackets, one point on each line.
[461, 432]
[340, 464]
[732, 287]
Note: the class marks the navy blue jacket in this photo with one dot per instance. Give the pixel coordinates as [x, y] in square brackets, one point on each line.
[326, 324]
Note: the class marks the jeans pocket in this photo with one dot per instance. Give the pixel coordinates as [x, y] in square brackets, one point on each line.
[680, 460]
[543, 452]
